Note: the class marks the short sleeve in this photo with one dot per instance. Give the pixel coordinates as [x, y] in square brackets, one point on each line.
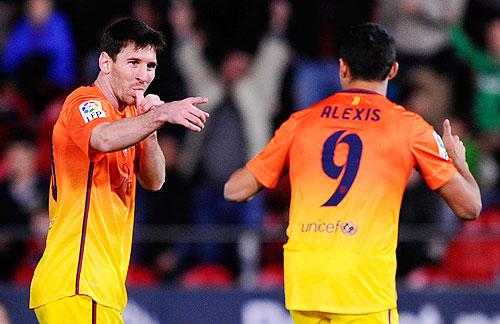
[82, 115]
[270, 164]
[430, 155]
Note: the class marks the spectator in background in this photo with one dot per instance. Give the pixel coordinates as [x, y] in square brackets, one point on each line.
[40, 52]
[427, 93]
[44, 126]
[15, 113]
[315, 28]
[424, 93]
[485, 63]
[23, 194]
[149, 11]
[33, 248]
[167, 259]
[314, 37]
[243, 94]
[420, 28]
[7, 12]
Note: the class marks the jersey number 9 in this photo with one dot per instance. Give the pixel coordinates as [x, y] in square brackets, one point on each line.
[351, 165]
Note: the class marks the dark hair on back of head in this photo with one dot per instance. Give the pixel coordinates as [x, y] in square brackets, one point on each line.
[117, 35]
[369, 52]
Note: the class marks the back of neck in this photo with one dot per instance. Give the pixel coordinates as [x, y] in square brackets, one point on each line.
[376, 86]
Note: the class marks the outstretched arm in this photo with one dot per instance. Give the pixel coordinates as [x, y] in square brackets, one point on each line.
[241, 186]
[153, 113]
[109, 137]
[461, 193]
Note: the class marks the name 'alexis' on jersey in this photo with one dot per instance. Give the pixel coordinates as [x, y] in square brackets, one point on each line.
[348, 113]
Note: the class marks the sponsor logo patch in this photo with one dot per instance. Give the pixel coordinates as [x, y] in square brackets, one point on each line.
[441, 147]
[345, 227]
[91, 110]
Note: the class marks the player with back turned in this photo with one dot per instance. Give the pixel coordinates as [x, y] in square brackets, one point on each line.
[349, 158]
[103, 141]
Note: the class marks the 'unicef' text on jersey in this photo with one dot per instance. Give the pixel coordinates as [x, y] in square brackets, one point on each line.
[348, 113]
[346, 227]
[91, 110]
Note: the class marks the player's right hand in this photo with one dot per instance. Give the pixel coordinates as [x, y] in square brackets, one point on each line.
[186, 113]
[145, 104]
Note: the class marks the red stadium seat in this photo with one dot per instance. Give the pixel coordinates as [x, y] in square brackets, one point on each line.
[271, 276]
[140, 276]
[207, 276]
[472, 257]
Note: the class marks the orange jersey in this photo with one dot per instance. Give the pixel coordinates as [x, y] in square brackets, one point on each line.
[349, 158]
[91, 208]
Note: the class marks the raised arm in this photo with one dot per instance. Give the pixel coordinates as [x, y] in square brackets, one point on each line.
[199, 75]
[434, 13]
[461, 193]
[273, 54]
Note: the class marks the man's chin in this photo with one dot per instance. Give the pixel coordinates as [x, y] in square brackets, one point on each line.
[129, 100]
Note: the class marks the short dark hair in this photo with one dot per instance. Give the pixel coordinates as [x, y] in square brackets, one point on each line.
[369, 51]
[118, 34]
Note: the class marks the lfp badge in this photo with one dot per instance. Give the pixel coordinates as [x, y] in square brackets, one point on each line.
[91, 110]
[440, 144]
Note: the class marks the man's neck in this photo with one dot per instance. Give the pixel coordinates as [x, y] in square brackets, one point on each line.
[107, 91]
[376, 86]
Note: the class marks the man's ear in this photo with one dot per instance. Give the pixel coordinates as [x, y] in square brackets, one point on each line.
[344, 71]
[105, 62]
[393, 71]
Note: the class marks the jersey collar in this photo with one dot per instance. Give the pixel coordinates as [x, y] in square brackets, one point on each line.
[357, 90]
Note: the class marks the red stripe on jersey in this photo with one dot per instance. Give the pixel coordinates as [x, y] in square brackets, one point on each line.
[84, 227]
[94, 312]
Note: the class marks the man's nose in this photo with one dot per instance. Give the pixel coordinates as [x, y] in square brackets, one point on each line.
[141, 74]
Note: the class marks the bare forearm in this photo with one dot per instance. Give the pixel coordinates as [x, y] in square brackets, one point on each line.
[241, 186]
[151, 164]
[461, 192]
[109, 137]
[462, 197]
[471, 185]
[124, 133]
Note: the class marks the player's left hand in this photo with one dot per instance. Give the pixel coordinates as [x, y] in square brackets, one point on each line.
[145, 104]
[454, 146]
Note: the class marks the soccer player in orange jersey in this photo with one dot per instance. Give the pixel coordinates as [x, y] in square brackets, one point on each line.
[104, 139]
[349, 158]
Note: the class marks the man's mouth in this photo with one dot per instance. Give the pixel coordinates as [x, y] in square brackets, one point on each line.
[141, 87]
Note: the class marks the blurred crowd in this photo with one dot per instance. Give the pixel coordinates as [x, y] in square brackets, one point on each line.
[258, 62]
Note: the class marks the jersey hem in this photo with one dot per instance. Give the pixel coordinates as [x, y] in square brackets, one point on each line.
[33, 305]
[344, 310]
